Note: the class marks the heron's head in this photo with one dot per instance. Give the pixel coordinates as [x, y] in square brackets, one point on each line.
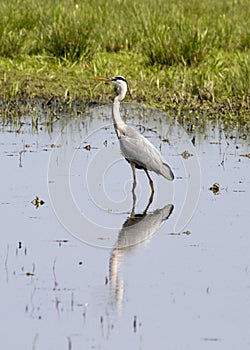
[119, 81]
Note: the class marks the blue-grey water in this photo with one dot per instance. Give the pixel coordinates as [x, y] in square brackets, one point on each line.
[172, 290]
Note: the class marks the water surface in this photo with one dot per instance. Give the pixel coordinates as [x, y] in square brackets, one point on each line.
[173, 290]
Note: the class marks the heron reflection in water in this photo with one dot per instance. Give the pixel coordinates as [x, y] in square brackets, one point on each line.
[137, 228]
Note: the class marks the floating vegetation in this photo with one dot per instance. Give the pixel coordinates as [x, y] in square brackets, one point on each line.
[187, 233]
[88, 147]
[245, 155]
[37, 202]
[186, 154]
[215, 188]
[30, 274]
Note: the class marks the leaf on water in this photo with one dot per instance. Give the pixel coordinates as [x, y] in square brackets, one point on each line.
[215, 188]
[37, 202]
[30, 274]
[88, 147]
[186, 154]
[187, 233]
[245, 155]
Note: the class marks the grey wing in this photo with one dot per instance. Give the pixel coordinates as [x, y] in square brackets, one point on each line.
[137, 149]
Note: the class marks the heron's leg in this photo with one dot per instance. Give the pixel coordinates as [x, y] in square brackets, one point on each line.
[133, 189]
[134, 175]
[150, 181]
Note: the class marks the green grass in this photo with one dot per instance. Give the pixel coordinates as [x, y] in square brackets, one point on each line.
[190, 58]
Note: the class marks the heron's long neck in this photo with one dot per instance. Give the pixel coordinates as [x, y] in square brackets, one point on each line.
[117, 120]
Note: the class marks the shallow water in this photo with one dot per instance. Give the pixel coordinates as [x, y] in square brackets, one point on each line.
[187, 289]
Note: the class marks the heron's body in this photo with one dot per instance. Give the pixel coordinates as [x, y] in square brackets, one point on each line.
[137, 150]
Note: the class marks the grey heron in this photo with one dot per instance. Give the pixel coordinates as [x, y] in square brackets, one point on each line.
[137, 150]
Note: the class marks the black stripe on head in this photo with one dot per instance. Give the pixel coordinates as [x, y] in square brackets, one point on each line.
[119, 77]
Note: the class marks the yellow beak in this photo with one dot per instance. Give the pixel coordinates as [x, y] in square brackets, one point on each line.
[103, 79]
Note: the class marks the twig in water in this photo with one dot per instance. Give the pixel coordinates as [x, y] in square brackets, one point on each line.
[224, 156]
[34, 341]
[54, 274]
[69, 344]
[72, 301]
[20, 158]
[6, 264]
[134, 323]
